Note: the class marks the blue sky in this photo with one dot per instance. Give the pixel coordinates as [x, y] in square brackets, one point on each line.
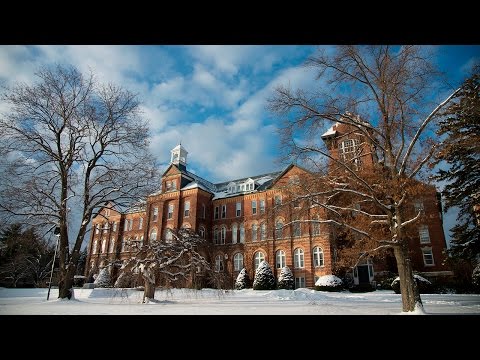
[211, 98]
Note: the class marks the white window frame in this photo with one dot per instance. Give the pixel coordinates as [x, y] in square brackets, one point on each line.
[155, 214]
[316, 230]
[140, 223]
[242, 233]
[153, 234]
[219, 265]
[238, 209]
[104, 245]
[254, 207]
[237, 262]
[216, 213]
[428, 252]
[125, 225]
[262, 206]
[186, 209]
[297, 228]
[318, 257]
[254, 232]
[223, 234]
[224, 211]
[94, 250]
[171, 209]
[279, 229]
[114, 229]
[263, 231]
[299, 258]
[257, 259]
[111, 245]
[280, 259]
[234, 233]
[299, 282]
[424, 234]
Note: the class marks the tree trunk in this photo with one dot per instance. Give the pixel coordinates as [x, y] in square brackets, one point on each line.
[65, 285]
[408, 286]
[149, 292]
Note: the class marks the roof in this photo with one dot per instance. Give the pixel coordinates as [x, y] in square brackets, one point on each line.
[330, 131]
[262, 182]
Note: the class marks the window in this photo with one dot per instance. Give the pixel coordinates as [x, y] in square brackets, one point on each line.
[428, 257]
[234, 233]
[254, 232]
[262, 206]
[186, 210]
[299, 282]
[124, 244]
[155, 214]
[279, 229]
[238, 211]
[280, 259]
[170, 211]
[278, 200]
[169, 185]
[94, 247]
[107, 212]
[318, 257]
[130, 224]
[140, 224]
[216, 212]
[125, 225]
[106, 227]
[216, 236]
[348, 151]
[168, 235]
[223, 234]
[201, 232]
[258, 258]
[242, 233]
[153, 234]
[297, 228]
[263, 231]
[219, 263]
[423, 234]
[112, 245]
[224, 211]
[316, 226]
[298, 257]
[114, 226]
[418, 206]
[104, 246]
[238, 262]
[174, 185]
[203, 211]
[254, 207]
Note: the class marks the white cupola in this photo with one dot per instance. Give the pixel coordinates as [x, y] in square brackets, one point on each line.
[179, 156]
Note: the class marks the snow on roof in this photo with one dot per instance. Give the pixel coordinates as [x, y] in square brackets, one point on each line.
[330, 131]
[136, 207]
[194, 185]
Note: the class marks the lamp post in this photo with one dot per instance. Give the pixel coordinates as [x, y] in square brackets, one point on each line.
[56, 232]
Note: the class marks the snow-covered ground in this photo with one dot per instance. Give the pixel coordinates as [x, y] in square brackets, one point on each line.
[218, 302]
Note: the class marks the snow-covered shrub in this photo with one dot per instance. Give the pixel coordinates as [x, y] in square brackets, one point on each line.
[243, 280]
[124, 280]
[329, 283]
[264, 279]
[286, 280]
[424, 285]
[103, 279]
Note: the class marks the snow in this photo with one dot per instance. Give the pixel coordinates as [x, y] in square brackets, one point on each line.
[330, 131]
[110, 301]
[328, 280]
[418, 277]
[194, 185]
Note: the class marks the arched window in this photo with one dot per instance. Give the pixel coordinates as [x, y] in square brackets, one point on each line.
[153, 234]
[242, 233]
[238, 262]
[348, 151]
[280, 259]
[279, 229]
[254, 232]
[168, 235]
[219, 263]
[263, 231]
[318, 256]
[298, 257]
[234, 233]
[258, 258]
[201, 232]
[223, 234]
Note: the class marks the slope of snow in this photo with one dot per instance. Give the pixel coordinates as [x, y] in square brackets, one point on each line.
[221, 302]
[328, 280]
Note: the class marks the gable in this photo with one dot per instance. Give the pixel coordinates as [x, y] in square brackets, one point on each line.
[293, 174]
[171, 170]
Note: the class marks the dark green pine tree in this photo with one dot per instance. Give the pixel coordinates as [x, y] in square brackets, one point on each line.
[243, 280]
[264, 279]
[286, 280]
[461, 151]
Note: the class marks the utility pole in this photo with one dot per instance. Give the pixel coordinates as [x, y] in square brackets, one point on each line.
[56, 232]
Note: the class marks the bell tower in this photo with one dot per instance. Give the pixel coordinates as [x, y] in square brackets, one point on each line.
[179, 157]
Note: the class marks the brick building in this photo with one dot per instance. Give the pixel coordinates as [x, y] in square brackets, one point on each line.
[252, 219]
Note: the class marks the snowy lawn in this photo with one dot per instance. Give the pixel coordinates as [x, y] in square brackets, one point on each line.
[218, 302]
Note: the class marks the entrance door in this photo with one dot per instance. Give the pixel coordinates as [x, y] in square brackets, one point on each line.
[363, 277]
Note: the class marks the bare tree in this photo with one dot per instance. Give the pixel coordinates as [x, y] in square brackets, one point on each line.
[173, 259]
[365, 189]
[69, 142]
